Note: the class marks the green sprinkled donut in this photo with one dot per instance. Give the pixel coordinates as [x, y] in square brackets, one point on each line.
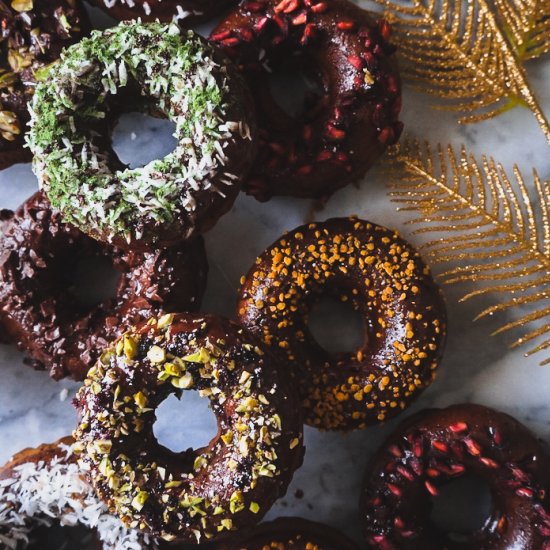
[156, 69]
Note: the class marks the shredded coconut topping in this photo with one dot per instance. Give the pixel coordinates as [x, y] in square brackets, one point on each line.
[38, 494]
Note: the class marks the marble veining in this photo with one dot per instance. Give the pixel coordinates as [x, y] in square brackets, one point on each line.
[476, 366]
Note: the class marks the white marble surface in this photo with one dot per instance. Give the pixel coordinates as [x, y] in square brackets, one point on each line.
[476, 366]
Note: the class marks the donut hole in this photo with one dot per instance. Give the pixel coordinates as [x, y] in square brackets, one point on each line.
[58, 537]
[185, 423]
[293, 89]
[336, 326]
[94, 281]
[462, 507]
[136, 147]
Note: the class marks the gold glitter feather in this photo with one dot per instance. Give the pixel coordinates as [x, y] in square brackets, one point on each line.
[494, 231]
[471, 52]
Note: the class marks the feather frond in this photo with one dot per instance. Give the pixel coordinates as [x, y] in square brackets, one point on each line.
[470, 53]
[494, 232]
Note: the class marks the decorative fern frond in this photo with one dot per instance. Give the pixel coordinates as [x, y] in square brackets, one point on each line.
[527, 25]
[468, 52]
[493, 232]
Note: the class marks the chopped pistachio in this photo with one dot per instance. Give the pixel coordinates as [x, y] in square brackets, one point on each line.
[22, 5]
[103, 446]
[139, 500]
[156, 355]
[130, 347]
[9, 125]
[227, 437]
[294, 443]
[184, 382]
[172, 369]
[254, 507]
[140, 399]
[165, 320]
[201, 356]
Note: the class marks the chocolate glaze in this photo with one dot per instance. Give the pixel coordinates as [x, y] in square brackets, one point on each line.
[117, 405]
[437, 445]
[341, 133]
[23, 53]
[39, 312]
[289, 534]
[385, 280]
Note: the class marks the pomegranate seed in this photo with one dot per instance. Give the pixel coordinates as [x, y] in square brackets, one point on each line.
[398, 522]
[459, 427]
[472, 446]
[300, 19]
[335, 133]
[525, 492]
[259, 27]
[286, 6]
[254, 7]
[386, 135]
[356, 61]
[309, 33]
[518, 474]
[431, 488]
[231, 42]
[395, 451]
[490, 463]
[277, 148]
[407, 474]
[246, 34]
[440, 446]
[220, 36]
[305, 170]
[394, 489]
[432, 472]
[391, 85]
[345, 25]
[408, 534]
[324, 155]
[321, 7]
[385, 29]
[307, 132]
[501, 525]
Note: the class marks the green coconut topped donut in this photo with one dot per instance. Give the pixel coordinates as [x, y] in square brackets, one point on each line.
[156, 69]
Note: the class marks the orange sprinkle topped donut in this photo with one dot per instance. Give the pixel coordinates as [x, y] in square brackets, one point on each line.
[385, 280]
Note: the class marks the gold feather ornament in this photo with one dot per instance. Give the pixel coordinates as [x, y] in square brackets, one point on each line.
[471, 52]
[493, 231]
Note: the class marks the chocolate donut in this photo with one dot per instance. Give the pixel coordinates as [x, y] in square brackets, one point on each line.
[289, 534]
[197, 495]
[183, 12]
[32, 36]
[152, 68]
[43, 486]
[39, 310]
[344, 129]
[437, 445]
[385, 280]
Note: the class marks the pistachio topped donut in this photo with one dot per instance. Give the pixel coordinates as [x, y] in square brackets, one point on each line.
[43, 486]
[32, 34]
[385, 280]
[197, 495]
[155, 69]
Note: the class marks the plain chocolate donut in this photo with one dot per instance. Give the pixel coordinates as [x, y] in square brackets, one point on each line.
[38, 309]
[437, 445]
[347, 125]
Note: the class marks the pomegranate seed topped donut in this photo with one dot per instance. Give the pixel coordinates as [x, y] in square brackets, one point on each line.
[385, 280]
[201, 494]
[33, 33]
[436, 446]
[344, 127]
